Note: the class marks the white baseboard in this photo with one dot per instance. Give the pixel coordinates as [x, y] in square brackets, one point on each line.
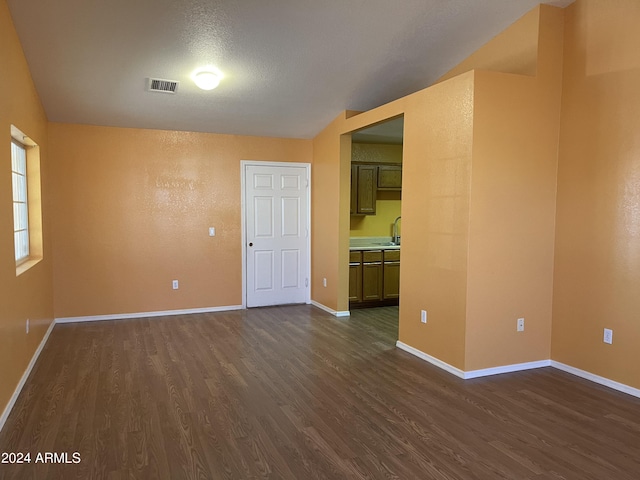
[25, 376]
[125, 316]
[516, 367]
[428, 358]
[344, 313]
[621, 387]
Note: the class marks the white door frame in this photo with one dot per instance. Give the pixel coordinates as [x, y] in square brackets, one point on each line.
[260, 163]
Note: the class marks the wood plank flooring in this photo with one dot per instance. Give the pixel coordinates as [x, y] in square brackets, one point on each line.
[294, 393]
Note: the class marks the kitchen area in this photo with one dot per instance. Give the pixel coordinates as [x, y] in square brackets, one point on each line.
[375, 230]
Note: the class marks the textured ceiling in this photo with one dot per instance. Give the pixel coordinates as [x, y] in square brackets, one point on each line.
[290, 65]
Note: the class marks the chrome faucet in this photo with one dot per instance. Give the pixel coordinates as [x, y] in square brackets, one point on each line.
[396, 237]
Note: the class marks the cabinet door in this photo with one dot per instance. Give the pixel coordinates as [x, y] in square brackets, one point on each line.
[389, 177]
[391, 280]
[355, 282]
[354, 189]
[372, 281]
[367, 187]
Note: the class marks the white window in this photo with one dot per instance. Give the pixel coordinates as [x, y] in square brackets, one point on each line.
[20, 205]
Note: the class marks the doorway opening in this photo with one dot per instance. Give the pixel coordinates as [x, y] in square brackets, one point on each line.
[375, 223]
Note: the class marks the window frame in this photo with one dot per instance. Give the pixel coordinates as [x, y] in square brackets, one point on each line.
[33, 201]
[20, 188]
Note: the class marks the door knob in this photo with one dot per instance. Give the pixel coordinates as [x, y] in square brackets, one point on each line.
[251, 244]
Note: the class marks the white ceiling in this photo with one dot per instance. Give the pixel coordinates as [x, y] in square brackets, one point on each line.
[290, 66]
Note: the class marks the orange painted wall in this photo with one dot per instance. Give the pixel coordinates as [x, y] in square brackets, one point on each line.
[29, 295]
[597, 264]
[132, 210]
[435, 215]
[513, 195]
[326, 255]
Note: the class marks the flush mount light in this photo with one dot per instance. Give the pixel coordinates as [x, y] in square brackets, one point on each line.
[207, 78]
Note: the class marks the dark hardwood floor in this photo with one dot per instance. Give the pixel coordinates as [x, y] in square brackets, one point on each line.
[294, 393]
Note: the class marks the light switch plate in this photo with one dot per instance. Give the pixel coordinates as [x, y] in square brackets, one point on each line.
[212, 231]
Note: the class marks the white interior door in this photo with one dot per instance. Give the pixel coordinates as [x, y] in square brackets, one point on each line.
[277, 251]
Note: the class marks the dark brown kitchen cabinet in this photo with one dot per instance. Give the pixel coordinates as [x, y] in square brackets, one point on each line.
[355, 277]
[372, 275]
[389, 177]
[374, 278]
[354, 189]
[364, 185]
[391, 275]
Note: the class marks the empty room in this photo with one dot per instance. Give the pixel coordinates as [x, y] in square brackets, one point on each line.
[320, 240]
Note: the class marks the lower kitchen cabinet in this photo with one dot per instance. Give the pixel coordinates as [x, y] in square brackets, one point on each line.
[374, 277]
[391, 275]
[355, 276]
[372, 281]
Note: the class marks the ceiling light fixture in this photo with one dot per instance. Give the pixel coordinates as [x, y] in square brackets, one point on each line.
[207, 78]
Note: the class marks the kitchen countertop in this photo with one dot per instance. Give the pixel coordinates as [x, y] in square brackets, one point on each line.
[372, 243]
[375, 247]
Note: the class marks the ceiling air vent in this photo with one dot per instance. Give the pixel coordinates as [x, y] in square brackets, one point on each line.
[162, 85]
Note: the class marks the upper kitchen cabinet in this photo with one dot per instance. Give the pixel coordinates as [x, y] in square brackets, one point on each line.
[364, 186]
[389, 177]
[376, 166]
[367, 180]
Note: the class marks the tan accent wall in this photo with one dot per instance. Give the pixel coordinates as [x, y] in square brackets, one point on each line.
[29, 295]
[132, 210]
[597, 263]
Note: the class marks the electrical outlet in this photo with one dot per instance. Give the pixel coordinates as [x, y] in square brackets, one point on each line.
[608, 336]
[175, 284]
[27, 325]
[423, 316]
[324, 282]
[520, 325]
